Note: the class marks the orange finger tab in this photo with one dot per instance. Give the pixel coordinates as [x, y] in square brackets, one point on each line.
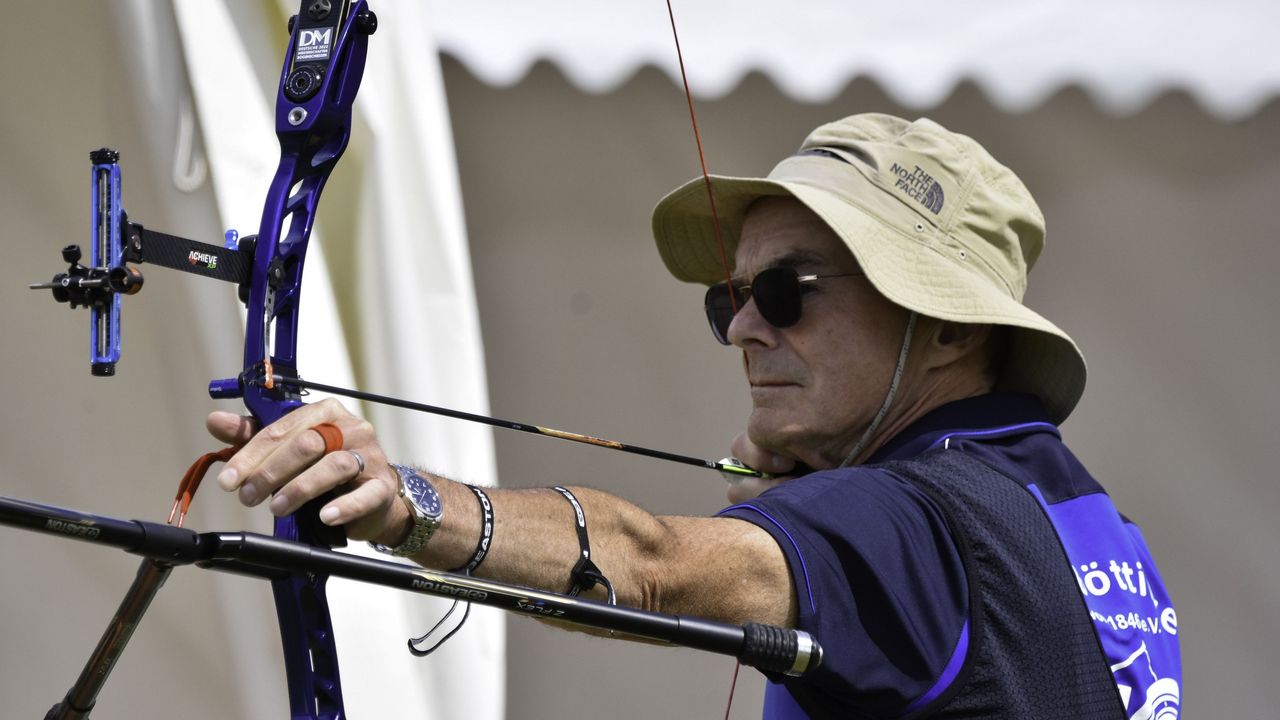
[332, 436]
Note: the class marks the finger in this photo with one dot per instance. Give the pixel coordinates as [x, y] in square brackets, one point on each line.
[750, 487]
[230, 428]
[760, 459]
[243, 467]
[289, 458]
[363, 510]
[335, 470]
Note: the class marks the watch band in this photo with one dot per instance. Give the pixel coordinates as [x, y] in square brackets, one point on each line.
[424, 522]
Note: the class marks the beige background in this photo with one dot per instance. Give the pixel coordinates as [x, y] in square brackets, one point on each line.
[1160, 260]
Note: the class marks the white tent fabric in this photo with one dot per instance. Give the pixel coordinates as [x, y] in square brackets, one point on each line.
[1123, 53]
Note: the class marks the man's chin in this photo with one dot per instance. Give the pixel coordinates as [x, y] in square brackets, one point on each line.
[774, 431]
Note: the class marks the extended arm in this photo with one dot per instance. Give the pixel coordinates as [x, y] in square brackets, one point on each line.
[719, 568]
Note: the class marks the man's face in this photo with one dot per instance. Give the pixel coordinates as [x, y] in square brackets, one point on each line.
[815, 386]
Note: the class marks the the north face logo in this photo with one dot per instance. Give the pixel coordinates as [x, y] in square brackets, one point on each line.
[919, 186]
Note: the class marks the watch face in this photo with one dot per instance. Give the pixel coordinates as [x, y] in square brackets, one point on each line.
[423, 494]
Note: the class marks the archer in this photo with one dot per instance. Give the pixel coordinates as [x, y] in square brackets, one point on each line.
[924, 520]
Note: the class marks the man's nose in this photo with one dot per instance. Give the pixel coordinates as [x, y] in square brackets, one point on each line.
[749, 326]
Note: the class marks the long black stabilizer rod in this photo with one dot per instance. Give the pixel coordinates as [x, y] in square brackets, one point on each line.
[772, 649]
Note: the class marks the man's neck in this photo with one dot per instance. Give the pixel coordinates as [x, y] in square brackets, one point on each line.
[908, 407]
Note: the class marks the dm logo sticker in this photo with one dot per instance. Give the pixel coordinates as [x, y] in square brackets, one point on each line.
[314, 44]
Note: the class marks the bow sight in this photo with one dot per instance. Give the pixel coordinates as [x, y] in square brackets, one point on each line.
[116, 242]
[100, 286]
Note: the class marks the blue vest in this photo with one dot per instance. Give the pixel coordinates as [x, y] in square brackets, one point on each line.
[1033, 649]
[1065, 614]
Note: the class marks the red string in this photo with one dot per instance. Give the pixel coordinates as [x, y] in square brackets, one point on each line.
[732, 687]
[191, 481]
[706, 177]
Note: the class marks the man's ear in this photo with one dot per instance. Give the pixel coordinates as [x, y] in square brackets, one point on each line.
[962, 334]
[952, 341]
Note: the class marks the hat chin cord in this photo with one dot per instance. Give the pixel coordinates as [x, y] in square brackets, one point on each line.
[889, 396]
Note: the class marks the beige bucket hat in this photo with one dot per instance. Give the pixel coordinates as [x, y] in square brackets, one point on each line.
[936, 223]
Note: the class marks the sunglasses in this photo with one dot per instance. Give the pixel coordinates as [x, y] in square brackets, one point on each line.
[776, 290]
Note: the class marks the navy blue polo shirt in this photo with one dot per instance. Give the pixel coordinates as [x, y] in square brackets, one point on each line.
[880, 583]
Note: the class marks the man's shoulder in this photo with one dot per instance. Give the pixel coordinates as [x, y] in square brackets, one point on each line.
[861, 500]
[860, 482]
[1029, 456]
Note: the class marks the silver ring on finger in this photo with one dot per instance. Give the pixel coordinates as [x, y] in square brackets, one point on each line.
[359, 462]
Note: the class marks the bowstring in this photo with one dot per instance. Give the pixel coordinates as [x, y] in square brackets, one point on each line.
[715, 225]
[702, 161]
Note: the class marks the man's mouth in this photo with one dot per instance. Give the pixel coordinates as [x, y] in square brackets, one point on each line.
[769, 382]
[769, 386]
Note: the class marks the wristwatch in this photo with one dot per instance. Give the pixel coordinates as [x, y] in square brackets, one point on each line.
[423, 502]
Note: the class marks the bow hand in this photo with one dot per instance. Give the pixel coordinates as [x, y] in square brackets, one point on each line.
[288, 464]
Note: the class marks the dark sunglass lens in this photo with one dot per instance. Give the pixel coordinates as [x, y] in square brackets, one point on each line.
[719, 311]
[777, 294]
